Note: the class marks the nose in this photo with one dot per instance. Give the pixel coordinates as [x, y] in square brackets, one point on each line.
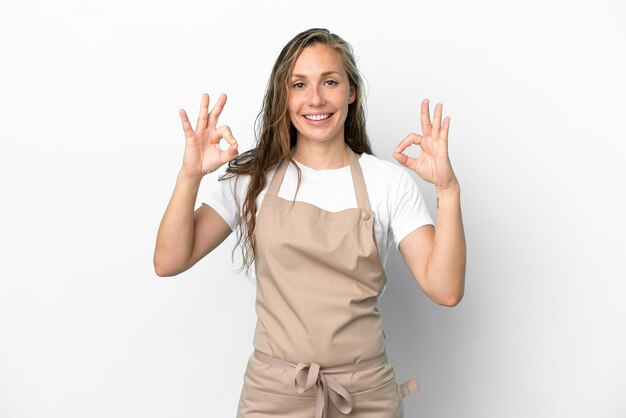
[316, 97]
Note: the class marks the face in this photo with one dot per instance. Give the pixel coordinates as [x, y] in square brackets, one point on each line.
[319, 95]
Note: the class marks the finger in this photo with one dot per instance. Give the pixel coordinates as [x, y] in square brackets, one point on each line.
[426, 126]
[217, 110]
[410, 139]
[445, 129]
[404, 159]
[437, 121]
[202, 115]
[231, 152]
[225, 132]
[186, 124]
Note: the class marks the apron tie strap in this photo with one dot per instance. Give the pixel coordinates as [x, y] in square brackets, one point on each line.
[408, 387]
[327, 386]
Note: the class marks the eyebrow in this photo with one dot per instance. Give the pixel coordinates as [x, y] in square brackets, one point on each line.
[324, 74]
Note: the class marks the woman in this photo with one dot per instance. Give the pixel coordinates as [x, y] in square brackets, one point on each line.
[319, 346]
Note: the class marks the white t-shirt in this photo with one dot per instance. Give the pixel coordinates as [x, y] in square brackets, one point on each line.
[394, 196]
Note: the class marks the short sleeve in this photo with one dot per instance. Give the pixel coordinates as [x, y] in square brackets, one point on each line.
[222, 197]
[408, 210]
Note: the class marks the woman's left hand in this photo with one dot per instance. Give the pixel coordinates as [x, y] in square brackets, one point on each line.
[433, 163]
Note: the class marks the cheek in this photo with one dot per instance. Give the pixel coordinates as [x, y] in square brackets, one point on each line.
[292, 104]
[343, 96]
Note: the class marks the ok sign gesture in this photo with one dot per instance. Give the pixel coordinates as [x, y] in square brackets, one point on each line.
[202, 147]
[433, 164]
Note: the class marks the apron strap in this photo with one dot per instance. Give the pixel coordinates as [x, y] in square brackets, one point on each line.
[322, 378]
[357, 180]
[277, 179]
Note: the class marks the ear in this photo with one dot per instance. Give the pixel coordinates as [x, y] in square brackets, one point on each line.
[352, 94]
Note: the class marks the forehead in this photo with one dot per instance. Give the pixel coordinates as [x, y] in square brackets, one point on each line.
[318, 59]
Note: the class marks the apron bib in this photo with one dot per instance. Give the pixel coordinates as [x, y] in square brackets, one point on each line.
[319, 340]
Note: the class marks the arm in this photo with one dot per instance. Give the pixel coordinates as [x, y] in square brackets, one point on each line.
[436, 256]
[185, 236]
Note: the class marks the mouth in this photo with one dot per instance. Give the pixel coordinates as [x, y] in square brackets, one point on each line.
[318, 117]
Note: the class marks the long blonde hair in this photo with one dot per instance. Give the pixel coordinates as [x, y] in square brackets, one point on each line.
[276, 135]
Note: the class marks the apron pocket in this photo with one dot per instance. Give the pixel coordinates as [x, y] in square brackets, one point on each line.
[261, 395]
[380, 401]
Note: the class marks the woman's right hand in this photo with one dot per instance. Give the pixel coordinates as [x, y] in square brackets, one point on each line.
[202, 146]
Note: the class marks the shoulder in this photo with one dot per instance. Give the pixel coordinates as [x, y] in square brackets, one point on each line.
[386, 182]
[238, 183]
[391, 181]
[226, 187]
[379, 170]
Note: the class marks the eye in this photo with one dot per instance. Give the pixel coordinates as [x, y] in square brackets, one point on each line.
[333, 82]
[298, 85]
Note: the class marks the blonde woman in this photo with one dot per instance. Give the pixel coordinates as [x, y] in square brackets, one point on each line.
[316, 212]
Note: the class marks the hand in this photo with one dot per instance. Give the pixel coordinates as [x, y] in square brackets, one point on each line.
[433, 163]
[202, 147]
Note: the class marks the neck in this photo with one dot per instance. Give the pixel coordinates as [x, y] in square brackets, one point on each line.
[322, 156]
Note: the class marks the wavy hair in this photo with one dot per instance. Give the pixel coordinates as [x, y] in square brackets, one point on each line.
[276, 136]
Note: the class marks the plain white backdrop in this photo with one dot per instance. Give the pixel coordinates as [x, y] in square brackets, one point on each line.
[92, 142]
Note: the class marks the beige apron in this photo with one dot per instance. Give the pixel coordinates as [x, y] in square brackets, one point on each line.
[319, 340]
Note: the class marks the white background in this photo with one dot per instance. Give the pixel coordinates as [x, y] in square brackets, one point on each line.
[91, 143]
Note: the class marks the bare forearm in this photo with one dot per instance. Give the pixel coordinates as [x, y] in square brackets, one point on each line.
[445, 271]
[176, 231]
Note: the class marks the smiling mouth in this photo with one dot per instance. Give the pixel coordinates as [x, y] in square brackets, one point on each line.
[318, 117]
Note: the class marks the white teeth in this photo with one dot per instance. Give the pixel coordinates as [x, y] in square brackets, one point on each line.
[318, 117]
